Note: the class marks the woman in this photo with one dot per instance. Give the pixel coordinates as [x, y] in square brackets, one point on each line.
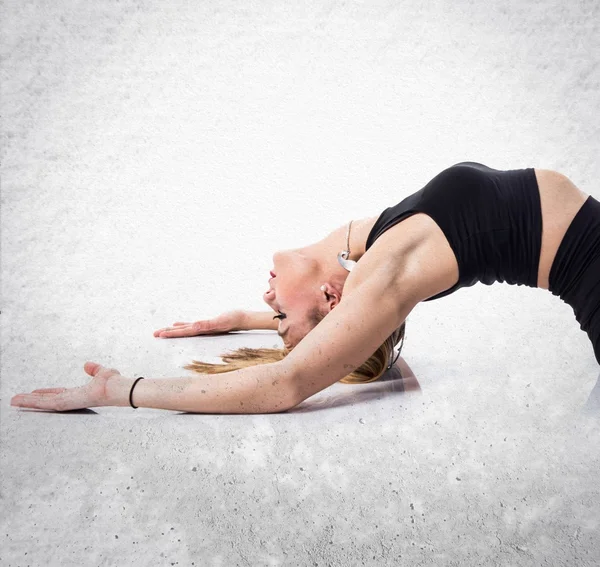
[470, 223]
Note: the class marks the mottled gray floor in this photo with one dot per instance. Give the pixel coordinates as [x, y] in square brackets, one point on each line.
[155, 155]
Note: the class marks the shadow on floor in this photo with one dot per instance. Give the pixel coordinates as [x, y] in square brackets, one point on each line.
[397, 380]
[592, 406]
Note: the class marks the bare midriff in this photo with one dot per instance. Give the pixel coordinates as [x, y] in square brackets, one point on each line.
[560, 201]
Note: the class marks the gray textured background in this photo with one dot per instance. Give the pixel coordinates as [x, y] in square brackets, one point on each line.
[155, 155]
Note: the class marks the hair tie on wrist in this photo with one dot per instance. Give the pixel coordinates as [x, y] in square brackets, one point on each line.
[131, 392]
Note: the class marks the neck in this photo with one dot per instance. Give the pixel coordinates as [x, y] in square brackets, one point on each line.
[325, 251]
[358, 237]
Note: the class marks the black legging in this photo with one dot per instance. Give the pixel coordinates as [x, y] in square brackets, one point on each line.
[575, 273]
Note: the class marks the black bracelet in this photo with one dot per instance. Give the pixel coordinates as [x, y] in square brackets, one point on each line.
[131, 392]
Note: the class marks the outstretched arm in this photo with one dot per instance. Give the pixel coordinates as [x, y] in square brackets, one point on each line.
[236, 320]
[256, 389]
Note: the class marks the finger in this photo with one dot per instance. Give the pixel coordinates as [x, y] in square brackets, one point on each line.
[162, 329]
[208, 327]
[179, 332]
[176, 328]
[180, 323]
[159, 331]
[67, 400]
[37, 401]
[92, 368]
[48, 391]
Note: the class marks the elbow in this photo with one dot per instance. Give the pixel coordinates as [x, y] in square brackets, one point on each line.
[282, 402]
[281, 409]
[275, 394]
[280, 392]
[274, 389]
[280, 405]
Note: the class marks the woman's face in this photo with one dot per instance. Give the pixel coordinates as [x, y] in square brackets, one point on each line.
[294, 292]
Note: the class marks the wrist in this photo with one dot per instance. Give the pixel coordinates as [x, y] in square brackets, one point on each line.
[242, 322]
[117, 391]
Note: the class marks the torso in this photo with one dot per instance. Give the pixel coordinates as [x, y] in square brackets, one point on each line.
[428, 255]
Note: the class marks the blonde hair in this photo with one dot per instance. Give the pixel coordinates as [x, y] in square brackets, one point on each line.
[369, 371]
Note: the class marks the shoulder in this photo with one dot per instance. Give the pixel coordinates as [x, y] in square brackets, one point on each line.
[412, 258]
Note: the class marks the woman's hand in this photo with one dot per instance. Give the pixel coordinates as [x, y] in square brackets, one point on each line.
[224, 323]
[93, 394]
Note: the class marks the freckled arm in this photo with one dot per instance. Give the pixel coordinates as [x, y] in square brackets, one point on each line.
[264, 388]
